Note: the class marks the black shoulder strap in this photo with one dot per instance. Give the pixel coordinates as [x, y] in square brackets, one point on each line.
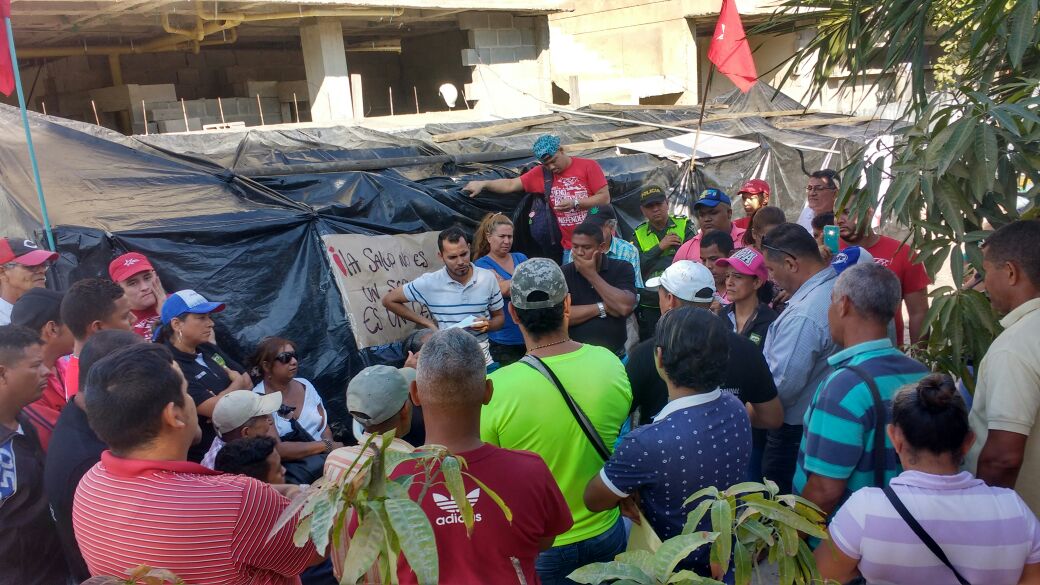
[579, 415]
[920, 532]
[880, 419]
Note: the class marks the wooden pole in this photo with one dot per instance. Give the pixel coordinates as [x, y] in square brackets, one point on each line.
[296, 107]
[464, 100]
[391, 89]
[260, 107]
[144, 114]
[415, 92]
[184, 110]
[700, 122]
[97, 120]
[220, 105]
[43, 105]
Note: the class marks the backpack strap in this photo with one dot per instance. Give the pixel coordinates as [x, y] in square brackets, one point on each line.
[579, 414]
[880, 419]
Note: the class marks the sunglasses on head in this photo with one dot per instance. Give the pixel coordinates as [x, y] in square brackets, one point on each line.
[285, 357]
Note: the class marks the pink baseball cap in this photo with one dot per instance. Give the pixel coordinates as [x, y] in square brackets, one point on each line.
[746, 261]
[128, 265]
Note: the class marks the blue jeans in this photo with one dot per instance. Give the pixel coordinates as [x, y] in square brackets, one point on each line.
[556, 563]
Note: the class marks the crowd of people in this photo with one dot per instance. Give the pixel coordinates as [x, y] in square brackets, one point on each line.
[589, 397]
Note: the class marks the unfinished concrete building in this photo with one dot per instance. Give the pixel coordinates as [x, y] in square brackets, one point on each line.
[169, 65]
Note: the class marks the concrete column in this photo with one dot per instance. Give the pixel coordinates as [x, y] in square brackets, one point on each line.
[325, 61]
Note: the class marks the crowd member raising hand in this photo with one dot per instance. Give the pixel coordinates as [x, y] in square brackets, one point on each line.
[136, 276]
[187, 329]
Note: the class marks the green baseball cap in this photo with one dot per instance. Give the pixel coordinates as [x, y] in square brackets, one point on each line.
[376, 393]
[537, 275]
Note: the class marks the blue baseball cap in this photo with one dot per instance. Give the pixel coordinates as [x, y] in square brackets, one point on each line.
[187, 301]
[711, 198]
[850, 257]
[546, 145]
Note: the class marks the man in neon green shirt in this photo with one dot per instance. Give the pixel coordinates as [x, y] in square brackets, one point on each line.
[528, 412]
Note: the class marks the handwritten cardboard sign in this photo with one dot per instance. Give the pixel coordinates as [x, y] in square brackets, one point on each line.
[369, 267]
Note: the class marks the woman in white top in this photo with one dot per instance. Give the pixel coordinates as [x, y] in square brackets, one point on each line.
[275, 364]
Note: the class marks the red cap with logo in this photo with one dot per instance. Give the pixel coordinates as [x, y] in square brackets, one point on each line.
[26, 252]
[755, 186]
[127, 265]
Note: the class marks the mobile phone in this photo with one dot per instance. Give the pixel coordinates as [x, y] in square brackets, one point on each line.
[830, 237]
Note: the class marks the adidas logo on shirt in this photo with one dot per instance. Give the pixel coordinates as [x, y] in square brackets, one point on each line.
[451, 509]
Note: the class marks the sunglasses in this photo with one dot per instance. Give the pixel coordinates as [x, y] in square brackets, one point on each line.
[285, 357]
[781, 250]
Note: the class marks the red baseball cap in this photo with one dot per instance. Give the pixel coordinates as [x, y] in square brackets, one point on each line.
[6, 253]
[127, 265]
[755, 186]
[27, 252]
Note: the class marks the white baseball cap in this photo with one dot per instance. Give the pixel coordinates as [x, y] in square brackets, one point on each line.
[690, 281]
[234, 409]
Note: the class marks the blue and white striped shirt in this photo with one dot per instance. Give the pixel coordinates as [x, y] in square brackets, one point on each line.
[799, 343]
[450, 301]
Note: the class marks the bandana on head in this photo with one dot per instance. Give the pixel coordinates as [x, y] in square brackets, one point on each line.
[546, 145]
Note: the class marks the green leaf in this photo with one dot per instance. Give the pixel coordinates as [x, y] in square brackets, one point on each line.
[676, 549]
[290, 512]
[494, 497]
[986, 154]
[788, 539]
[741, 564]
[949, 145]
[759, 531]
[365, 546]
[745, 488]
[597, 573]
[686, 577]
[806, 561]
[710, 492]
[303, 532]
[957, 264]
[321, 522]
[722, 522]
[784, 515]
[643, 559]
[1022, 31]
[416, 537]
[788, 569]
[452, 472]
[693, 519]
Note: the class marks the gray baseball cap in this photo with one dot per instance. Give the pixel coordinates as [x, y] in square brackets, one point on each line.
[537, 275]
[376, 394]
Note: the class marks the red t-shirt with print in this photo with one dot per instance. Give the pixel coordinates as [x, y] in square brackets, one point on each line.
[539, 511]
[145, 322]
[899, 258]
[579, 181]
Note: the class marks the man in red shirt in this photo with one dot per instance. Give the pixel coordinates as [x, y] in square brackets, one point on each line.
[754, 194]
[578, 185]
[451, 386]
[90, 306]
[900, 259]
[40, 310]
[145, 504]
[136, 276]
[714, 211]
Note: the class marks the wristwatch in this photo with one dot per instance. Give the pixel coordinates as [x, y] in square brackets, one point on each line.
[575, 205]
[602, 310]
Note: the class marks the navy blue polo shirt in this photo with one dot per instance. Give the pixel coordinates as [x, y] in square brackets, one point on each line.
[694, 442]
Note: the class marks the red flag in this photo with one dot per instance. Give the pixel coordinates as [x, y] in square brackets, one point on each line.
[6, 68]
[730, 51]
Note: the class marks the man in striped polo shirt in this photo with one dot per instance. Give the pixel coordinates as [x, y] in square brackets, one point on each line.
[458, 295]
[145, 504]
[836, 456]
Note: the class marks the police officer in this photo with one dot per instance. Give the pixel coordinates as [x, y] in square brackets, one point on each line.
[657, 239]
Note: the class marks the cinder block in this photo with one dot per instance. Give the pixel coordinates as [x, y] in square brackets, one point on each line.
[239, 74]
[528, 53]
[503, 55]
[472, 20]
[178, 125]
[523, 22]
[188, 76]
[483, 37]
[501, 20]
[287, 88]
[509, 38]
[527, 36]
[470, 58]
[165, 114]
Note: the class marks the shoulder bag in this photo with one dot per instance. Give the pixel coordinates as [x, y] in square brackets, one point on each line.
[576, 411]
[921, 533]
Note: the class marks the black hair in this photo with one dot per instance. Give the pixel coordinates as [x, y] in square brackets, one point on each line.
[100, 345]
[540, 322]
[829, 176]
[932, 415]
[1017, 242]
[416, 339]
[14, 340]
[766, 292]
[718, 238]
[452, 234]
[87, 301]
[246, 457]
[166, 330]
[791, 238]
[591, 229]
[823, 220]
[128, 390]
[694, 348]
